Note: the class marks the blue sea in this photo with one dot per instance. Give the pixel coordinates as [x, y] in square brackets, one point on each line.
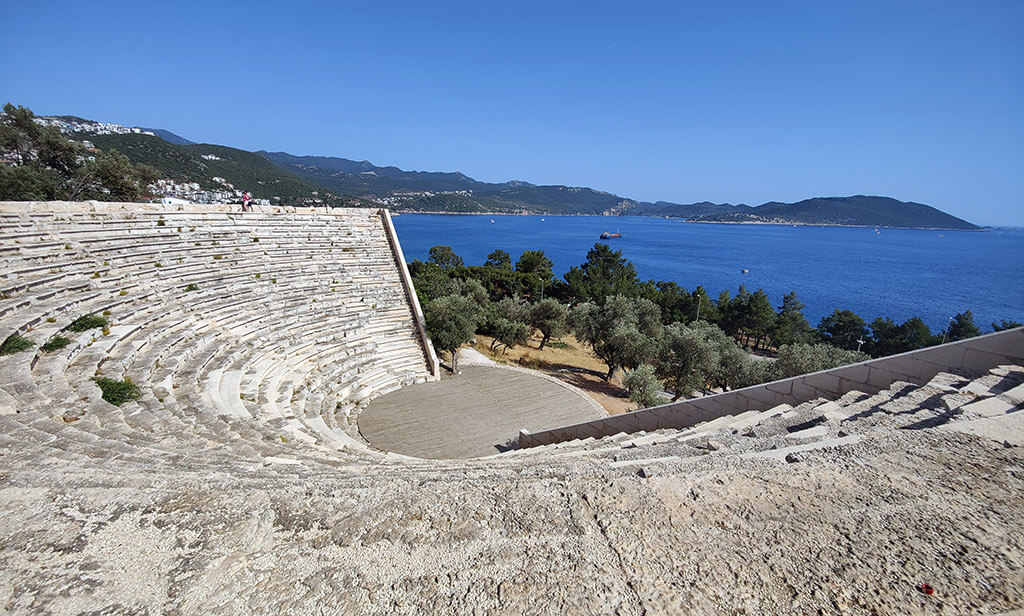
[894, 273]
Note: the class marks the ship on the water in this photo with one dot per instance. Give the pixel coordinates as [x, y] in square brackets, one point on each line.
[608, 236]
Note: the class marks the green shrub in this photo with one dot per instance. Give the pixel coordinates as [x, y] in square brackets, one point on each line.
[160, 222]
[643, 386]
[192, 287]
[14, 344]
[117, 392]
[87, 321]
[55, 344]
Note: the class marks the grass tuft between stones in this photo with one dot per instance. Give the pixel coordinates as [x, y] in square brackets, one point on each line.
[117, 392]
[55, 344]
[86, 322]
[14, 344]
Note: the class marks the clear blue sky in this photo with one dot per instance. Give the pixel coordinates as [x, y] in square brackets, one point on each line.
[721, 101]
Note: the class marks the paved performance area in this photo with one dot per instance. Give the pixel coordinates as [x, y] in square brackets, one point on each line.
[477, 413]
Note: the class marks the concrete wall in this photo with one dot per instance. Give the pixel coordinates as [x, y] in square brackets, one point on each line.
[976, 355]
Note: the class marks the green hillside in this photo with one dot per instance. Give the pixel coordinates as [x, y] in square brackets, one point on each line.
[245, 170]
[307, 180]
[858, 210]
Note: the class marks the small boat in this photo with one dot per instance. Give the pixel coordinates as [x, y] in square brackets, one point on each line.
[492, 220]
[608, 236]
[745, 271]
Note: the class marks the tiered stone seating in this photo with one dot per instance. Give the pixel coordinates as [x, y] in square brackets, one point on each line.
[991, 405]
[227, 322]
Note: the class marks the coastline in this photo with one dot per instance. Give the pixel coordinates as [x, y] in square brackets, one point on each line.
[687, 220]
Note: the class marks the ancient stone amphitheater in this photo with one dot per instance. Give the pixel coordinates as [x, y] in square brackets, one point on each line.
[238, 482]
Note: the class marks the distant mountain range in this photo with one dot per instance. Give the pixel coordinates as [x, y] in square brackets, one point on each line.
[457, 192]
[294, 179]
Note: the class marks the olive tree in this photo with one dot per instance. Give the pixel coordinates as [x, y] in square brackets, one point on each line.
[686, 359]
[506, 322]
[797, 359]
[451, 323]
[643, 386]
[548, 316]
[624, 332]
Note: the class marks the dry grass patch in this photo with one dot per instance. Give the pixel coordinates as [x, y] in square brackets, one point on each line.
[569, 360]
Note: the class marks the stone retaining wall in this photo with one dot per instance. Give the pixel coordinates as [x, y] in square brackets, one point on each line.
[433, 365]
[974, 355]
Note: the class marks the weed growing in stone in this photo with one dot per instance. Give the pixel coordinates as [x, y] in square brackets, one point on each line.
[15, 344]
[55, 344]
[192, 287]
[117, 392]
[87, 321]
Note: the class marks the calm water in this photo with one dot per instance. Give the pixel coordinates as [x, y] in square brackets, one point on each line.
[894, 273]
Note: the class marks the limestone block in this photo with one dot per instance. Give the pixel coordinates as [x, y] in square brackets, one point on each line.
[1014, 396]
[1006, 428]
[988, 407]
